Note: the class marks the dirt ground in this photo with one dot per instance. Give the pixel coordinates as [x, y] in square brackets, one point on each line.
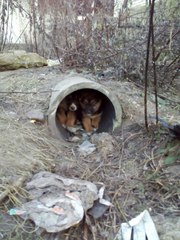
[140, 170]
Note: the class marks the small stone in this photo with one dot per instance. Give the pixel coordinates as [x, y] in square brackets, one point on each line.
[36, 114]
[15, 59]
[86, 148]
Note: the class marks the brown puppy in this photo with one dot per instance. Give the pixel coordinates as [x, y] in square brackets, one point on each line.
[67, 111]
[91, 109]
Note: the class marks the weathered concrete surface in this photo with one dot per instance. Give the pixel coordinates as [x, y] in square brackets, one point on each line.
[13, 60]
[71, 84]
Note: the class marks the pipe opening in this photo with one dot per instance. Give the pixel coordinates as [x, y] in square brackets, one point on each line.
[94, 108]
[85, 111]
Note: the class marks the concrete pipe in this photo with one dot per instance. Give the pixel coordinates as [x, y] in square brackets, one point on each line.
[112, 111]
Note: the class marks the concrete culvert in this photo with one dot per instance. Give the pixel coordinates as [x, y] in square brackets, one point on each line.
[111, 117]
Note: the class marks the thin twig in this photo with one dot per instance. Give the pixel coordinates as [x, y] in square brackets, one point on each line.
[154, 62]
[146, 69]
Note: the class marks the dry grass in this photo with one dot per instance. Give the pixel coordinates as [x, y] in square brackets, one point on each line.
[134, 174]
[24, 145]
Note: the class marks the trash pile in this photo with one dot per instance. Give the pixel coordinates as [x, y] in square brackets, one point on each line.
[138, 228]
[59, 203]
[103, 142]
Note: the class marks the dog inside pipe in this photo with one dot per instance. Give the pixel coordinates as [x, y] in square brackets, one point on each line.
[84, 110]
[80, 105]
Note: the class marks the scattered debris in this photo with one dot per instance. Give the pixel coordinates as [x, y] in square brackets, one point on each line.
[54, 62]
[36, 115]
[86, 148]
[174, 129]
[102, 200]
[138, 228]
[57, 203]
[128, 183]
[101, 205]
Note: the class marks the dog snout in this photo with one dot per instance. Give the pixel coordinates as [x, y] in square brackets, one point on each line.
[73, 107]
[89, 110]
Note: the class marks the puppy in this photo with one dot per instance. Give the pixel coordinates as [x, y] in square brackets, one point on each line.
[67, 111]
[91, 109]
